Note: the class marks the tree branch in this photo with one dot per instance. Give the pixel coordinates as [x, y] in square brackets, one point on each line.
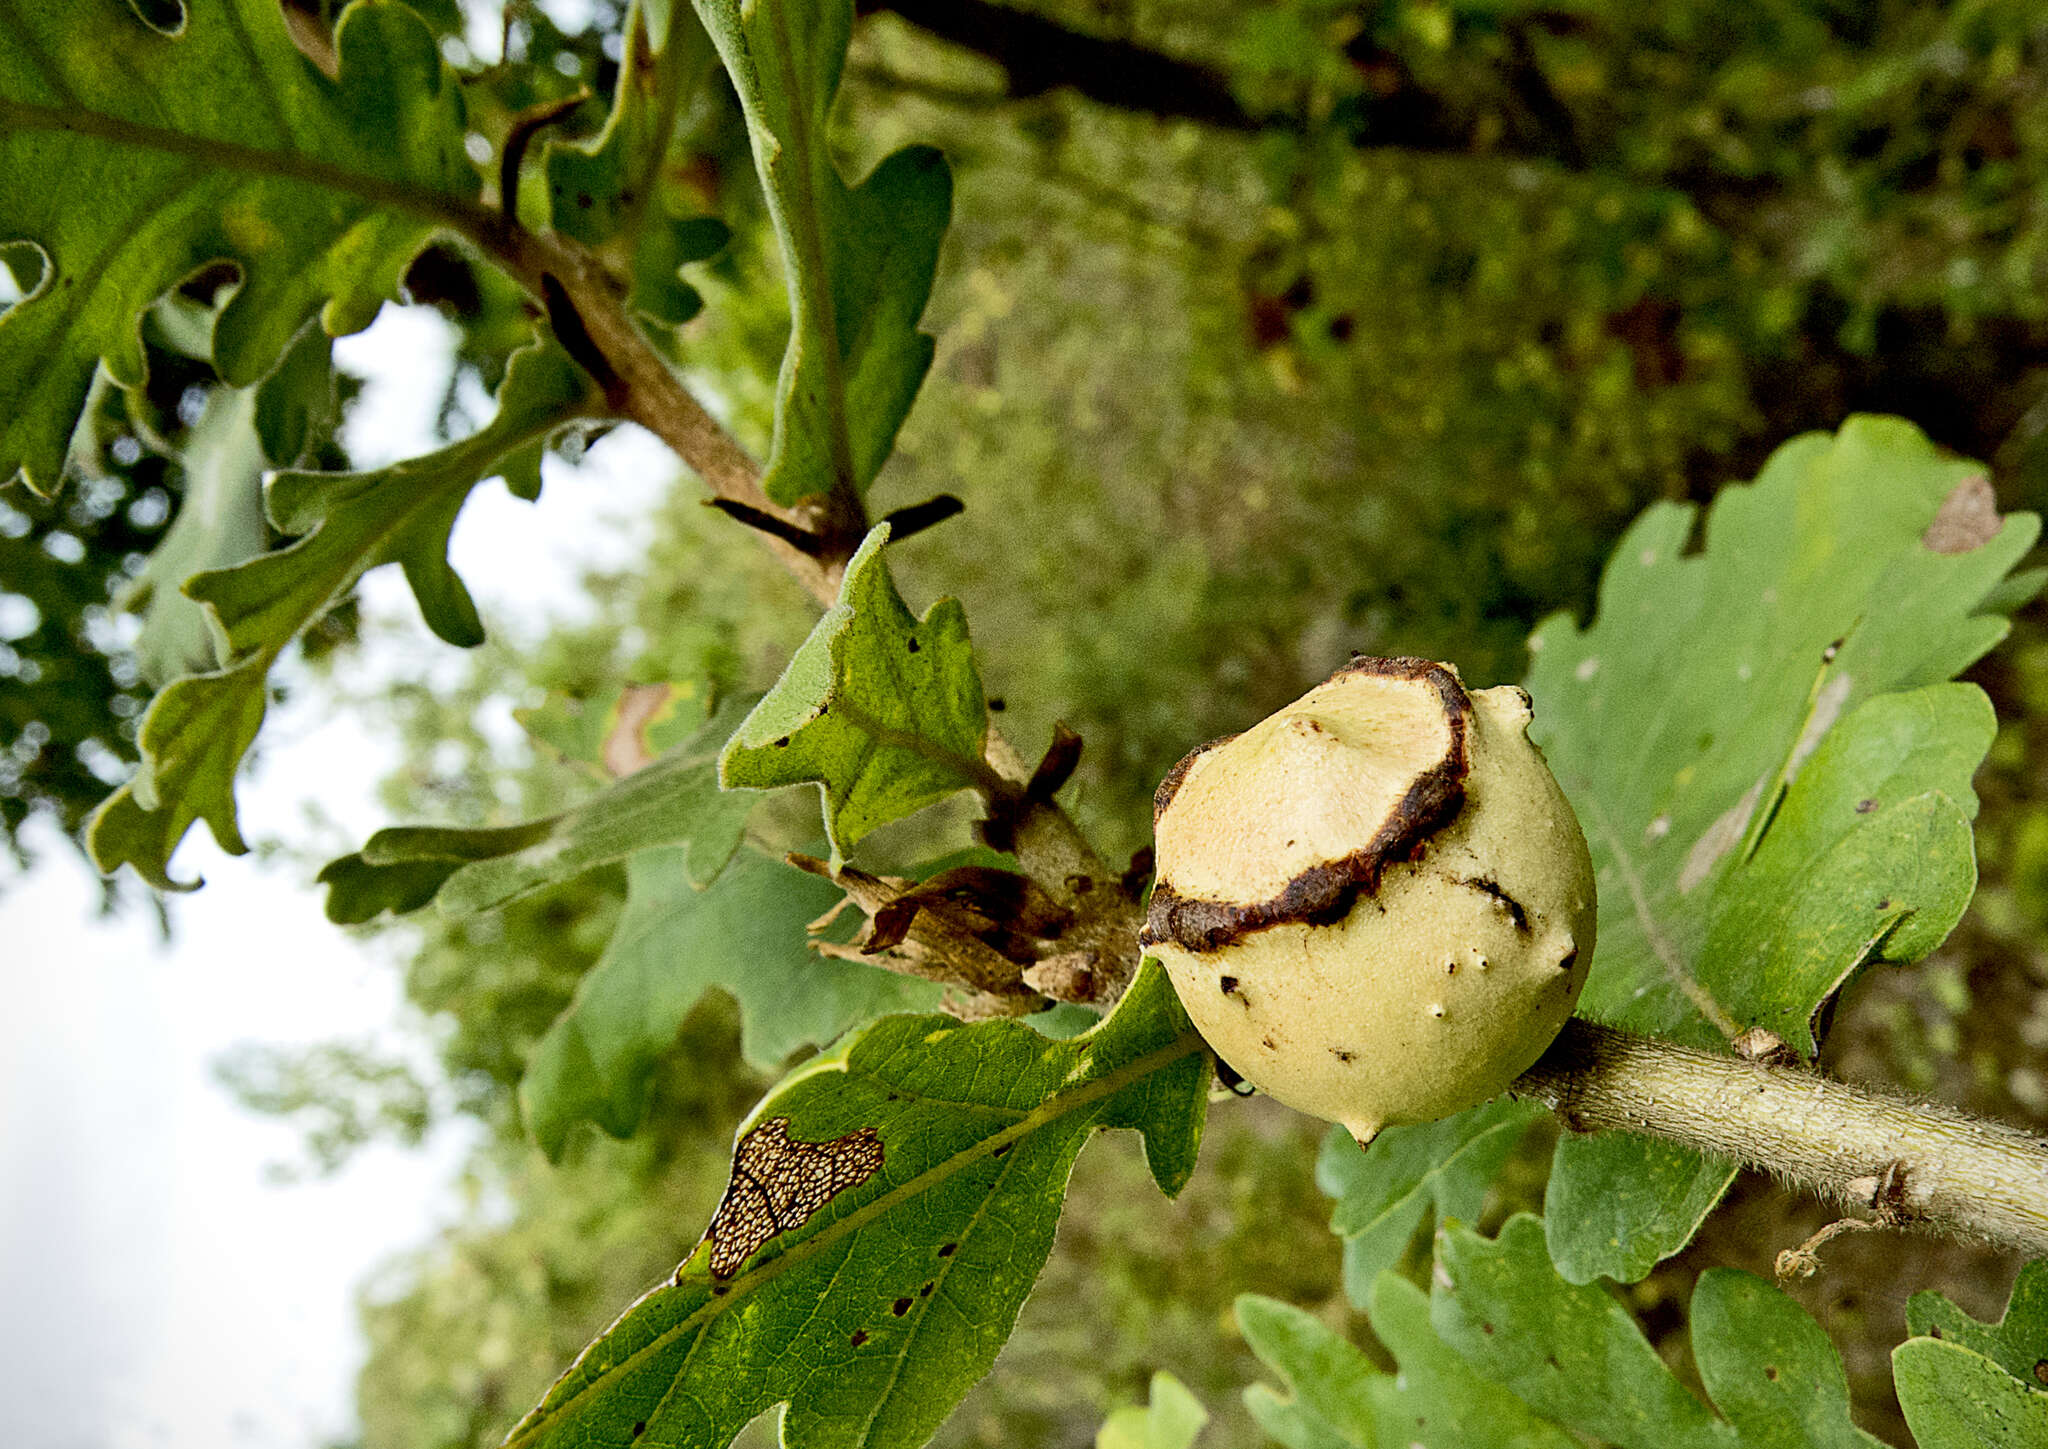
[1041, 55]
[1914, 1164]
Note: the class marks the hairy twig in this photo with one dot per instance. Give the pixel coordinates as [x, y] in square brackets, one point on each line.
[1916, 1164]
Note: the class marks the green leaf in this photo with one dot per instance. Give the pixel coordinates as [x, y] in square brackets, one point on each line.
[614, 194]
[1337, 1397]
[1386, 1191]
[884, 711]
[1571, 1352]
[744, 933]
[297, 405]
[637, 719]
[1328, 1400]
[1720, 752]
[859, 262]
[1173, 1420]
[1769, 1367]
[133, 159]
[674, 802]
[1617, 1203]
[1956, 1399]
[2018, 1342]
[197, 729]
[219, 524]
[1567, 1350]
[918, 1216]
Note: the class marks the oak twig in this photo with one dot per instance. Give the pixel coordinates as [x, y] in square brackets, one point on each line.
[1916, 1164]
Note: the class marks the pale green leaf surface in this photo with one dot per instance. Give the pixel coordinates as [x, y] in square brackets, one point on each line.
[1567, 1350]
[1173, 1420]
[197, 729]
[1335, 1396]
[873, 1316]
[743, 933]
[1573, 1353]
[1954, 1398]
[133, 158]
[859, 261]
[883, 710]
[1617, 1203]
[1328, 1383]
[674, 802]
[1386, 1191]
[2018, 1342]
[1698, 714]
[219, 524]
[1769, 1367]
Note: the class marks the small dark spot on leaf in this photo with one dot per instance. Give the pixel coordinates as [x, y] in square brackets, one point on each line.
[926, 1291]
[948, 1250]
[1486, 1328]
[719, 1290]
[1342, 326]
[860, 1336]
[1864, 807]
[1228, 984]
[1771, 1372]
[1571, 959]
[583, 200]
[1267, 1043]
[1001, 1150]
[915, 646]
[1827, 655]
[1343, 1056]
[2041, 1369]
[900, 1307]
[1935, 1332]
[1451, 967]
[1885, 904]
[997, 704]
[783, 743]
[639, 1428]
[1551, 1359]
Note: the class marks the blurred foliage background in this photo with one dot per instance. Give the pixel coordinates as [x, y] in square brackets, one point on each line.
[1267, 332]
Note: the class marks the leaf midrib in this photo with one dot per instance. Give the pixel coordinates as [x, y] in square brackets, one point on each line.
[446, 210]
[1052, 1109]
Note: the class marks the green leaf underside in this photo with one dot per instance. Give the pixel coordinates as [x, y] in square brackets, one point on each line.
[1954, 1398]
[612, 193]
[1173, 1420]
[859, 261]
[1337, 1398]
[1765, 820]
[219, 524]
[873, 1316]
[2018, 1342]
[133, 158]
[1575, 1356]
[674, 802]
[197, 729]
[744, 933]
[882, 710]
[1408, 1175]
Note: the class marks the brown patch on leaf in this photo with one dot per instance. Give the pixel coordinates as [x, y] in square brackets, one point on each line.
[1967, 519]
[625, 747]
[1718, 839]
[778, 1183]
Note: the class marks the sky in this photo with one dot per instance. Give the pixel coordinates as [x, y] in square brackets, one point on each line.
[157, 1289]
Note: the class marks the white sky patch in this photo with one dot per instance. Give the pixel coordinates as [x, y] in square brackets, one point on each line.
[161, 1293]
